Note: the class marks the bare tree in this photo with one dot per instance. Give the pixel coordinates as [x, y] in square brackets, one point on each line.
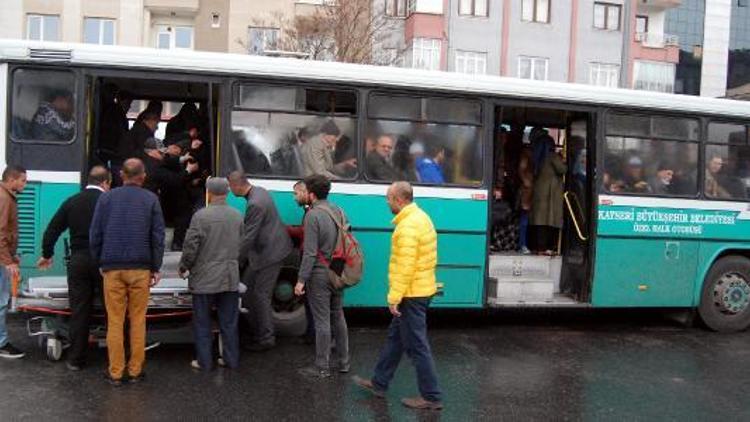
[348, 31]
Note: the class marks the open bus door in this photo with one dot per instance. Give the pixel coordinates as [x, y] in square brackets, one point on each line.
[542, 160]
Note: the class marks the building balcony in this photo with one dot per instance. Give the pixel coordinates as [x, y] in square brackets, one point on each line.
[179, 7]
[656, 47]
[657, 40]
[662, 4]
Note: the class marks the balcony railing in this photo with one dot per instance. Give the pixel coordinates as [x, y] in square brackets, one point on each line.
[656, 40]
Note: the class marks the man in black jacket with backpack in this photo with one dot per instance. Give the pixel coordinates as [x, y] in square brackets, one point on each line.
[326, 302]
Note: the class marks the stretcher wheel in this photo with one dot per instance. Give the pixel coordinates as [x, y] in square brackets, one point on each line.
[54, 349]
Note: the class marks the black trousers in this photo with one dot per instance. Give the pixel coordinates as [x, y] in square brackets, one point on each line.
[258, 300]
[84, 284]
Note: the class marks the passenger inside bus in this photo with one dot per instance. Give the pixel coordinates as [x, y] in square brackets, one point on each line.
[429, 167]
[714, 188]
[538, 154]
[135, 116]
[54, 118]
[379, 161]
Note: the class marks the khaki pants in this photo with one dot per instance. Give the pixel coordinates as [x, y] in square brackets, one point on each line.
[126, 291]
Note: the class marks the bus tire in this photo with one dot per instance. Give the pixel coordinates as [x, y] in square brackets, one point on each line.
[289, 317]
[290, 324]
[725, 299]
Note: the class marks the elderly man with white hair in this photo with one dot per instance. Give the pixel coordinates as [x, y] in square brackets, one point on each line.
[210, 262]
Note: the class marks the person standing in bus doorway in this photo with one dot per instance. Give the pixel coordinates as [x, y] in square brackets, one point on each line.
[84, 279]
[326, 302]
[264, 245]
[13, 183]
[411, 278]
[209, 261]
[127, 242]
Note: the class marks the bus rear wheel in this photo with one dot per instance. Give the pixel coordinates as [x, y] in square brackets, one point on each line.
[725, 300]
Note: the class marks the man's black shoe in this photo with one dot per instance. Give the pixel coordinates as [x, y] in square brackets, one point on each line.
[315, 372]
[115, 382]
[73, 367]
[137, 379]
[10, 352]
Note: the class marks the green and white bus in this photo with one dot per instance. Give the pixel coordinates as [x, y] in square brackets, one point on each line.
[655, 199]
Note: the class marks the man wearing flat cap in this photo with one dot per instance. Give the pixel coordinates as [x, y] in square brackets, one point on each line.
[317, 154]
[210, 263]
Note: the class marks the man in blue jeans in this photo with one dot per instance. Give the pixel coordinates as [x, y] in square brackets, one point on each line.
[13, 183]
[411, 279]
[210, 262]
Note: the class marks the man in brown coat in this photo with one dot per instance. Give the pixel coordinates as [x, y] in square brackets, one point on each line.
[13, 182]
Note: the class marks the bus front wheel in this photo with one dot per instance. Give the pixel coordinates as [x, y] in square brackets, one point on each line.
[288, 310]
[725, 300]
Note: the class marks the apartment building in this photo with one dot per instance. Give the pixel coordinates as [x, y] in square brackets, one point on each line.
[686, 46]
[232, 26]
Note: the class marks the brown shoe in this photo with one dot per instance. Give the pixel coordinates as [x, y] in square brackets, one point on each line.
[368, 385]
[421, 404]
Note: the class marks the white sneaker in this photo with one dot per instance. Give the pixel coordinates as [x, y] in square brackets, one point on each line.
[525, 251]
[195, 365]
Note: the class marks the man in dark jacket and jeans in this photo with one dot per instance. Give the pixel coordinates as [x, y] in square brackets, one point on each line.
[84, 279]
[209, 260]
[264, 245]
[127, 241]
[326, 302]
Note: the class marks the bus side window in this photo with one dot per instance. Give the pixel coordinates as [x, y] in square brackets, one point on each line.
[294, 132]
[431, 141]
[43, 106]
[651, 156]
[727, 168]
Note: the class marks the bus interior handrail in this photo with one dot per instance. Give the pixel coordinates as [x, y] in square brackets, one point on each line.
[576, 224]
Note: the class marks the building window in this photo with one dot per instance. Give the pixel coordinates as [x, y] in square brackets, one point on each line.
[43, 27]
[602, 74]
[653, 76]
[174, 37]
[425, 53]
[262, 39]
[607, 16]
[395, 8]
[641, 24]
[535, 10]
[471, 62]
[535, 68]
[472, 7]
[99, 31]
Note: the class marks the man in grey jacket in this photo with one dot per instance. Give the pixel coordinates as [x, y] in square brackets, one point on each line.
[209, 261]
[326, 302]
[264, 245]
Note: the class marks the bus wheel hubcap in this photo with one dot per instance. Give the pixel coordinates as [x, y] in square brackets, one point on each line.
[732, 294]
[284, 292]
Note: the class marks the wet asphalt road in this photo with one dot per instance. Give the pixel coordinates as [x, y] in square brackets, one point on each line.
[540, 365]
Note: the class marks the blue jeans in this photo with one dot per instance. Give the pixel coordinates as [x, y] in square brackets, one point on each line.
[4, 299]
[408, 333]
[227, 310]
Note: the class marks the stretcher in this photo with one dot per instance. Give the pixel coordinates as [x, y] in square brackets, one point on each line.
[45, 300]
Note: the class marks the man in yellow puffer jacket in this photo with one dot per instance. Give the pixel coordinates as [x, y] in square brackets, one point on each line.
[411, 276]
